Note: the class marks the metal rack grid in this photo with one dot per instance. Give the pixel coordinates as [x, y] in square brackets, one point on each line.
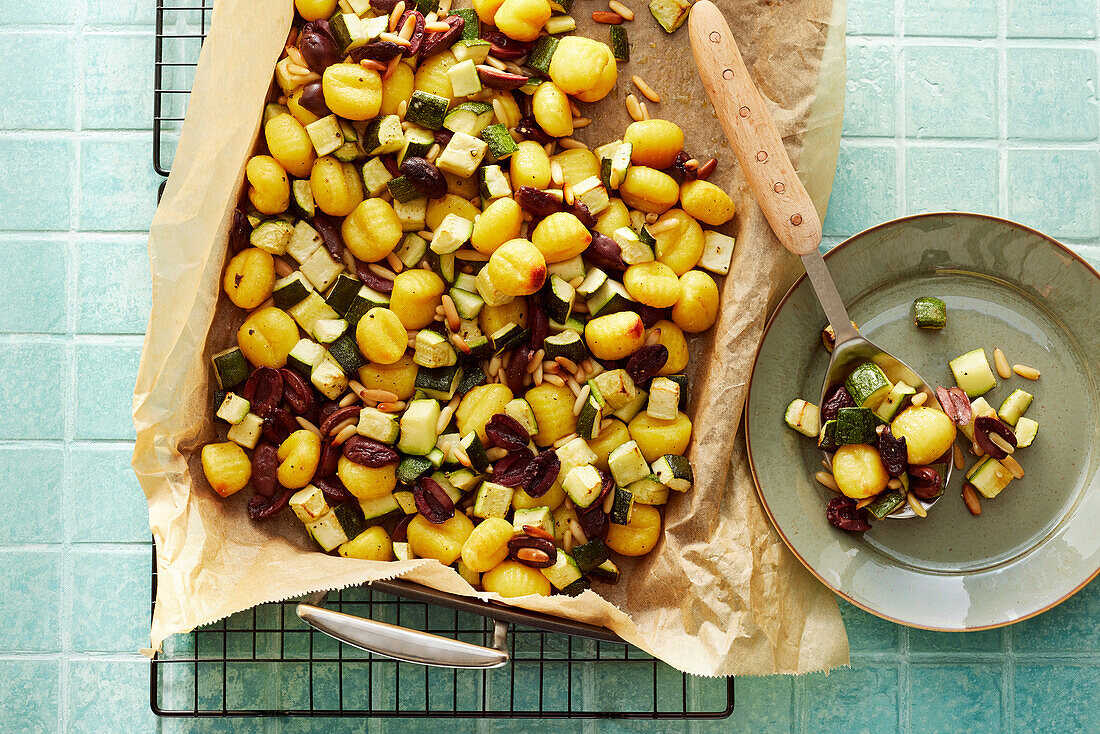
[266, 662]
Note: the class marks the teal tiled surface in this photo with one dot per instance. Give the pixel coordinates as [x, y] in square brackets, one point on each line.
[983, 105]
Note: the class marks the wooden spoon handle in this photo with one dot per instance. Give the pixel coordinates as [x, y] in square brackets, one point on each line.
[752, 131]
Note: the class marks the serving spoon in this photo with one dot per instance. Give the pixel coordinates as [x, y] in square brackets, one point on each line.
[786, 204]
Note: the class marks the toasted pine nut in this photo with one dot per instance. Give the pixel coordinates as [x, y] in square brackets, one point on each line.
[609, 502]
[392, 407]
[350, 399]
[344, 435]
[894, 483]
[375, 395]
[827, 479]
[532, 555]
[580, 122]
[342, 425]
[971, 499]
[1001, 443]
[578, 531]
[402, 108]
[706, 169]
[960, 461]
[296, 69]
[536, 360]
[372, 65]
[621, 9]
[499, 112]
[666, 226]
[445, 416]
[571, 144]
[581, 397]
[1013, 466]
[494, 365]
[496, 453]
[282, 267]
[567, 542]
[580, 307]
[603, 16]
[633, 109]
[564, 440]
[396, 39]
[645, 89]
[551, 367]
[471, 255]
[653, 337]
[408, 28]
[1028, 373]
[451, 313]
[538, 374]
[381, 271]
[573, 385]
[864, 502]
[976, 449]
[436, 27]
[919, 399]
[536, 531]
[398, 11]
[307, 425]
[296, 57]
[556, 175]
[461, 455]
[496, 63]
[554, 380]
[1001, 363]
[645, 110]
[915, 505]
[460, 343]
[580, 376]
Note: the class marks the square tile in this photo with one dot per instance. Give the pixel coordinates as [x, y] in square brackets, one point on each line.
[118, 86]
[953, 698]
[864, 189]
[34, 299]
[951, 179]
[937, 81]
[30, 596]
[1031, 19]
[827, 700]
[121, 12]
[971, 18]
[870, 99]
[39, 198]
[109, 608]
[31, 389]
[109, 696]
[1055, 191]
[114, 287]
[33, 13]
[105, 376]
[32, 474]
[763, 704]
[1057, 698]
[870, 18]
[29, 694]
[1069, 627]
[1052, 94]
[118, 185]
[39, 84]
[929, 641]
[222, 726]
[100, 477]
[866, 632]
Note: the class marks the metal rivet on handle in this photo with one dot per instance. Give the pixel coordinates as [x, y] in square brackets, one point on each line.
[796, 219]
[727, 74]
[715, 36]
[743, 111]
[779, 188]
[762, 156]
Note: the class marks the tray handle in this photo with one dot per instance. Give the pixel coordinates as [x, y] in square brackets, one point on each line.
[407, 645]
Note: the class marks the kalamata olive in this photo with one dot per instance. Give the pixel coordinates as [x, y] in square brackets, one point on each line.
[604, 252]
[372, 279]
[239, 231]
[318, 46]
[985, 425]
[531, 130]
[517, 368]
[496, 79]
[313, 99]
[651, 315]
[381, 51]
[330, 459]
[368, 452]
[427, 179]
[537, 202]
[265, 464]
[278, 425]
[418, 32]
[432, 502]
[511, 469]
[261, 507]
[334, 490]
[327, 409]
[685, 172]
[296, 392]
[383, 6]
[506, 432]
[503, 47]
[837, 399]
[339, 416]
[330, 235]
[581, 212]
[893, 452]
[390, 162]
[955, 404]
[541, 473]
[538, 322]
[442, 137]
[594, 522]
[841, 513]
[264, 390]
[438, 40]
[400, 532]
[647, 362]
[925, 482]
[544, 546]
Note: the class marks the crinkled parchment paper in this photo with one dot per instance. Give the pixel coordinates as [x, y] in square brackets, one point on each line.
[720, 595]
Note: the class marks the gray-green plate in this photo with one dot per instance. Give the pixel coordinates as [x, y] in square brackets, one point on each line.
[1005, 286]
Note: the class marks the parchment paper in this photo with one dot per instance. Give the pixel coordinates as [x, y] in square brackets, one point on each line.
[720, 595]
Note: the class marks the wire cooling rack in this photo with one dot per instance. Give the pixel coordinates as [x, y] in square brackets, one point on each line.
[267, 662]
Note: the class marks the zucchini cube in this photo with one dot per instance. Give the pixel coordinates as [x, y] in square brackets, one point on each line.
[564, 571]
[233, 409]
[329, 378]
[617, 388]
[246, 434]
[539, 517]
[383, 427]
[493, 500]
[583, 484]
[627, 464]
[573, 454]
[674, 472]
[309, 503]
[321, 269]
[664, 399]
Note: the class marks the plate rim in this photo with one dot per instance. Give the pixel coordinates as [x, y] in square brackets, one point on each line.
[748, 440]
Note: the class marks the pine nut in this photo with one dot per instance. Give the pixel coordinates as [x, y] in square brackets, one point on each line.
[581, 397]
[436, 27]
[645, 89]
[574, 386]
[645, 111]
[396, 39]
[402, 108]
[971, 499]
[976, 449]
[633, 109]
[578, 531]
[342, 425]
[377, 396]
[381, 272]
[496, 63]
[827, 479]
[551, 367]
[460, 343]
[445, 416]
[894, 483]
[372, 65]
[307, 425]
[864, 502]
[706, 169]
[536, 531]
[651, 217]
[350, 399]
[571, 144]
[389, 72]
[461, 455]
[603, 16]
[282, 267]
[1013, 466]
[395, 263]
[554, 380]
[1002, 364]
[496, 453]
[960, 461]
[621, 9]
[574, 109]
[392, 407]
[609, 502]
[535, 361]
[556, 175]
[408, 28]
[451, 313]
[532, 555]
[1001, 443]
[499, 112]
[494, 365]
[344, 435]
[395, 16]
[471, 256]
[567, 542]
[266, 304]
[915, 505]
[1028, 373]
[653, 337]
[564, 440]
[538, 374]
[581, 122]
[919, 399]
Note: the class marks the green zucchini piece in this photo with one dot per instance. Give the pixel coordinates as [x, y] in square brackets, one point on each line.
[670, 14]
[649, 491]
[364, 300]
[402, 189]
[590, 555]
[592, 282]
[929, 313]
[309, 503]
[384, 135]
[507, 337]
[427, 6]
[592, 410]
[539, 517]
[973, 373]
[480, 348]
[325, 134]
[418, 434]
[568, 344]
[321, 269]
[305, 355]
[466, 282]
[463, 479]
[567, 270]
[473, 377]
[500, 142]
[304, 241]
[826, 439]
[868, 386]
[291, 290]
[573, 323]
[664, 400]
[563, 573]
[468, 305]
[521, 411]
[412, 250]
[897, 396]
[674, 472]
[635, 406]
[340, 296]
[463, 154]
[609, 298]
[493, 500]
[475, 449]
[627, 464]
[682, 381]
[418, 142]
[376, 509]
[464, 78]
[620, 46]
[310, 310]
[452, 233]
[471, 26]
[803, 417]
[327, 331]
[559, 298]
[583, 484]
[433, 350]
[475, 50]
[440, 383]
[989, 477]
[492, 183]
[427, 110]
[412, 468]
[577, 588]
[855, 425]
[560, 24]
[622, 507]
[345, 351]
[272, 236]
[230, 368]
[540, 56]
[1026, 430]
[302, 198]
[246, 434]
[1014, 406]
[616, 387]
[886, 503]
[606, 571]
[233, 409]
[376, 424]
[469, 117]
[404, 497]
[717, 252]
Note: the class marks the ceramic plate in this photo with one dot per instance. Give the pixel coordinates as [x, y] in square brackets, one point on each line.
[1005, 286]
